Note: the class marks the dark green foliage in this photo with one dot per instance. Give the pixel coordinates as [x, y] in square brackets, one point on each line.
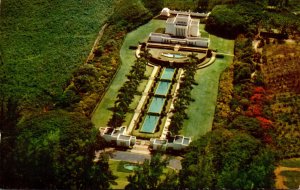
[155, 6]
[242, 72]
[227, 159]
[280, 3]
[225, 22]
[130, 13]
[229, 21]
[43, 41]
[150, 175]
[56, 150]
[248, 125]
[9, 116]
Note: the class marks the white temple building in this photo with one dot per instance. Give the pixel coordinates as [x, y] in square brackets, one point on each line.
[177, 142]
[183, 26]
[181, 29]
[118, 137]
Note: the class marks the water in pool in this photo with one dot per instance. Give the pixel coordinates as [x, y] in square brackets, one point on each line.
[150, 124]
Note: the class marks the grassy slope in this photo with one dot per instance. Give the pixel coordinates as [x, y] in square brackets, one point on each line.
[42, 42]
[201, 112]
[102, 113]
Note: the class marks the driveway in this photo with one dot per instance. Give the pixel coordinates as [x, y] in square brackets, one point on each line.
[174, 162]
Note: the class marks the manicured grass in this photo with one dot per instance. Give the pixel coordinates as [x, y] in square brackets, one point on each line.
[201, 111]
[119, 171]
[102, 113]
[293, 163]
[221, 45]
[42, 42]
[292, 179]
[204, 34]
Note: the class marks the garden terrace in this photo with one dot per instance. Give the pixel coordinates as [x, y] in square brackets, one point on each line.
[158, 100]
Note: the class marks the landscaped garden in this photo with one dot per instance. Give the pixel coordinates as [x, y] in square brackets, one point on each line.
[199, 122]
[103, 111]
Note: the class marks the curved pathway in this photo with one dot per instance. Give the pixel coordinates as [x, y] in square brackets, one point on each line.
[212, 59]
[279, 184]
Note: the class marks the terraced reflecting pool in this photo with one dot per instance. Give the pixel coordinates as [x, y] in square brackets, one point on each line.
[162, 88]
[167, 74]
[156, 105]
[150, 124]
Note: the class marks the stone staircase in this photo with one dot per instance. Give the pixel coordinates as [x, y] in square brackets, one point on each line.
[141, 147]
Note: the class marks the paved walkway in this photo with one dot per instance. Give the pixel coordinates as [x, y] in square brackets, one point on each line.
[213, 58]
[142, 100]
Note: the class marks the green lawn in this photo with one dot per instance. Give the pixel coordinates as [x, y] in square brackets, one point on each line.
[201, 111]
[204, 34]
[119, 171]
[221, 45]
[42, 42]
[292, 179]
[102, 113]
[293, 163]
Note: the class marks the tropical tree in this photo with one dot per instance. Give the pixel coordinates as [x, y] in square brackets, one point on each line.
[227, 159]
[56, 150]
[149, 175]
[9, 117]
[127, 92]
[184, 98]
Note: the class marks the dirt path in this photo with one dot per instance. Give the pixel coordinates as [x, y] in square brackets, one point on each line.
[279, 183]
[100, 34]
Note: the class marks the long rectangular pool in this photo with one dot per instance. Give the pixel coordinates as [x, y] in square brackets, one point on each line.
[156, 105]
[149, 124]
[162, 88]
[167, 74]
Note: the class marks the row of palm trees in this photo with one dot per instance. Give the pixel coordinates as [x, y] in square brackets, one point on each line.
[127, 92]
[184, 98]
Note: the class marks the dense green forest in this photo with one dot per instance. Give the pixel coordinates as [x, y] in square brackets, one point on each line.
[47, 95]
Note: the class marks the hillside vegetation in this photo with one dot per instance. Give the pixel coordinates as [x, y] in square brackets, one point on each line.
[43, 41]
